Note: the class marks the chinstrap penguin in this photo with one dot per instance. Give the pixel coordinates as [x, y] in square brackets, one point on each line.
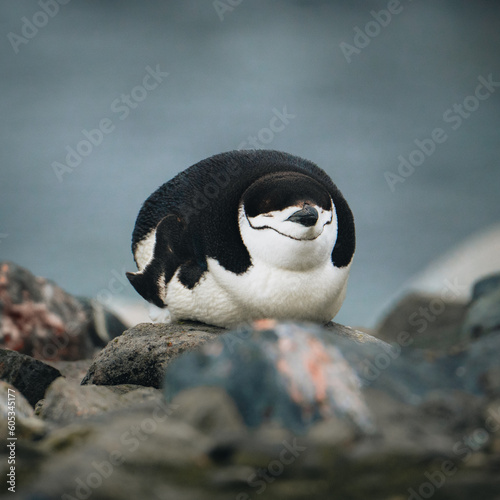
[245, 235]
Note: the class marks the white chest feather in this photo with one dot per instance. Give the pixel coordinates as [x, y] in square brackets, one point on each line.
[289, 279]
[226, 299]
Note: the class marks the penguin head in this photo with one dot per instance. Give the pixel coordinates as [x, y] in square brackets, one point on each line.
[288, 220]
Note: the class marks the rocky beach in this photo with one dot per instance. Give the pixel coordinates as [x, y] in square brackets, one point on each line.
[410, 410]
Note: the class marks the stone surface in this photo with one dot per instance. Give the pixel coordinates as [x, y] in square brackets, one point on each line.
[40, 319]
[141, 355]
[72, 370]
[107, 453]
[104, 324]
[346, 332]
[25, 425]
[30, 376]
[282, 372]
[66, 400]
[272, 411]
[483, 312]
[153, 452]
[431, 321]
[208, 409]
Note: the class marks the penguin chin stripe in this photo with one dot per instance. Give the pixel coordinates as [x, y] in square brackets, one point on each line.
[244, 235]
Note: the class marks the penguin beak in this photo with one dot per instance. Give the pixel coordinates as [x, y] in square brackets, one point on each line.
[307, 216]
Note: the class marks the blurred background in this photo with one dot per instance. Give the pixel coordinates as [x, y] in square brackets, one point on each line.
[358, 87]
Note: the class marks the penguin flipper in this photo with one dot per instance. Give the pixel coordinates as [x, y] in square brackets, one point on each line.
[172, 249]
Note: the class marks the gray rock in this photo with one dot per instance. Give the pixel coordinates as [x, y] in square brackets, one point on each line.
[427, 321]
[334, 432]
[477, 367]
[182, 452]
[25, 425]
[72, 370]
[141, 355]
[134, 453]
[104, 325]
[30, 376]
[485, 286]
[66, 401]
[421, 405]
[346, 332]
[209, 410]
[483, 313]
[289, 373]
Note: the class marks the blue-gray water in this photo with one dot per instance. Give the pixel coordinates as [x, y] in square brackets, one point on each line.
[225, 78]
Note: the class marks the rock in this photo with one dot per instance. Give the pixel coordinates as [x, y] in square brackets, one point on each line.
[333, 432]
[430, 322]
[25, 424]
[477, 367]
[66, 401]
[298, 375]
[346, 332]
[453, 412]
[209, 410]
[485, 286]
[40, 319]
[200, 446]
[104, 324]
[30, 376]
[274, 411]
[132, 453]
[141, 355]
[292, 374]
[483, 313]
[72, 370]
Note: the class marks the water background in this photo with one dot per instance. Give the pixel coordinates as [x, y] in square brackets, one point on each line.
[225, 78]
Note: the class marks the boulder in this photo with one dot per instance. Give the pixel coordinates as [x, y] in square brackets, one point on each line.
[141, 355]
[72, 370]
[161, 451]
[104, 324]
[138, 452]
[431, 322]
[274, 411]
[40, 319]
[483, 312]
[29, 376]
[209, 410]
[284, 372]
[66, 400]
[25, 425]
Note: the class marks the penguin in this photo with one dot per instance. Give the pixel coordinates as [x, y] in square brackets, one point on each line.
[245, 235]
